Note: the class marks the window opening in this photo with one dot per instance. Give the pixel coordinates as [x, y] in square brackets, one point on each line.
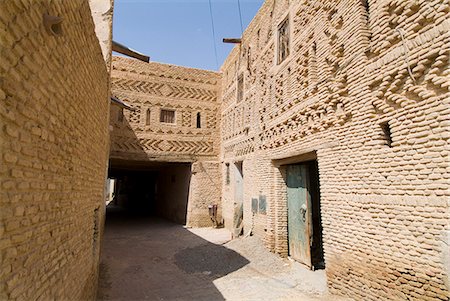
[147, 117]
[167, 116]
[199, 121]
[387, 133]
[240, 88]
[227, 174]
[283, 40]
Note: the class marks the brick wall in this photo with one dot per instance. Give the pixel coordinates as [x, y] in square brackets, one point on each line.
[385, 208]
[204, 191]
[140, 135]
[152, 87]
[54, 104]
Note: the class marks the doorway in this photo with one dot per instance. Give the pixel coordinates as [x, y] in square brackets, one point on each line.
[304, 218]
[238, 198]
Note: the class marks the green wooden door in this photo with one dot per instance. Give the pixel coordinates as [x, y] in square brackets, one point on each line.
[299, 213]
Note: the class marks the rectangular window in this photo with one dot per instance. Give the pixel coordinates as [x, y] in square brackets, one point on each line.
[240, 88]
[283, 40]
[167, 116]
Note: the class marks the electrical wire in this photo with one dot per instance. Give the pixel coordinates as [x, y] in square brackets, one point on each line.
[406, 54]
[240, 17]
[214, 34]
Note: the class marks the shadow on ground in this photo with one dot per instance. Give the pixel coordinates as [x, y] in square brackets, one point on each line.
[148, 258]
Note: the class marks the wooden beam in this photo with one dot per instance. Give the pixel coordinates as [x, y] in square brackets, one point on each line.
[232, 40]
[117, 47]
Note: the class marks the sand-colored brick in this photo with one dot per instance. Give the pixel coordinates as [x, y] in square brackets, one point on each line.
[54, 108]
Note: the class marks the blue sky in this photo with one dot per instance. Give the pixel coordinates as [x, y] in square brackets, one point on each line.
[179, 31]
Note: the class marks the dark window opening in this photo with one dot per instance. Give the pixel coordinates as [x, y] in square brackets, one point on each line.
[283, 40]
[258, 36]
[367, 13]
[199, 121]
[366, 7]
[167, 116]
[387, 133]
[240, 88]
[147, 117]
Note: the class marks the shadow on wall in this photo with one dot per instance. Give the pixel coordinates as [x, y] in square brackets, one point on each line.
[152, 259]
[125, 144]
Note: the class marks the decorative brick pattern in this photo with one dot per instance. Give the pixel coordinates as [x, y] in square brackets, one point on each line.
[353, 67]
[157, 86]
[188, 92]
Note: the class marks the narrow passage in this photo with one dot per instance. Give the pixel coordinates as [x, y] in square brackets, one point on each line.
[148, 258]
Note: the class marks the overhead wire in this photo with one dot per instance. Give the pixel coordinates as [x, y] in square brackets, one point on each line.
[214, 34]
[240, 17]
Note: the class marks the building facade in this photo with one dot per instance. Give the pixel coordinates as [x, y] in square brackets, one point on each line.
[171, 133]
[335, 127]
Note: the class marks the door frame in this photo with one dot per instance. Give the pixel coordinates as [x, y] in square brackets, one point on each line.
[280, 223]
[238, 196]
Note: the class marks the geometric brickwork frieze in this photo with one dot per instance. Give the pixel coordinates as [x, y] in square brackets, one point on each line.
[163, 89]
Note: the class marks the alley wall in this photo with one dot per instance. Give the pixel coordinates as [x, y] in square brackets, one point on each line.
[54, 107]
[364, 88]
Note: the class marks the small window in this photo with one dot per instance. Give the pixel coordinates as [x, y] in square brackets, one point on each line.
[240, 88]
[199, 121]
[167, 116]
[283, 40]
[387, 133]
[120, 116]
[227, 173]
[147, 117]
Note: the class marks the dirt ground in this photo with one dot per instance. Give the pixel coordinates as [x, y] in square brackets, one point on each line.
[145, 258]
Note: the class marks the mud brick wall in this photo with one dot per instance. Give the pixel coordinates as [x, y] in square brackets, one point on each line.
[151, 87]
[54, 106]
[141, 136]
[354, 68]
[205, 190]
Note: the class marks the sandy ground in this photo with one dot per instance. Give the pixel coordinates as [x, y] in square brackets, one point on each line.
[145, 258]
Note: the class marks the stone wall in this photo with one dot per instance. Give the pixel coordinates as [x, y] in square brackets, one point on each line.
[54, 104]
[139, 135]
[355, 69]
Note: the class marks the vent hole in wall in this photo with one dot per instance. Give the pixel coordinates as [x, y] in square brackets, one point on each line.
[387, 134]
[53, 25]
[56, 29]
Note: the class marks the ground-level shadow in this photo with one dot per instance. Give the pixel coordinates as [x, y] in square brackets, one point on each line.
[148, 258]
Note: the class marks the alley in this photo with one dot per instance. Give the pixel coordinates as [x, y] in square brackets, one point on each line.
[147, 258]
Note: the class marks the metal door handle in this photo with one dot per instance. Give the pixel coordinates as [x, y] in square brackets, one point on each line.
[303, 212]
